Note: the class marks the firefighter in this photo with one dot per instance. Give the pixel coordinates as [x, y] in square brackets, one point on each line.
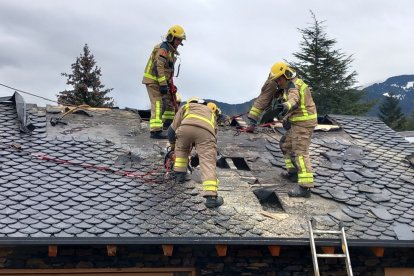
[158, 77]
[297, 111]
[269, 93]
[195, 124]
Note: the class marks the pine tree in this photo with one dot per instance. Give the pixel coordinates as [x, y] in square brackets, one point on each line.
[391, 114]
[86, 83]
[326, 70]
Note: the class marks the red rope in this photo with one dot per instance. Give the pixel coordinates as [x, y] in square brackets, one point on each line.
[42, 156]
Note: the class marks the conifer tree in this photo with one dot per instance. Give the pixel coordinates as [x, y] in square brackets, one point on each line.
[390, 113]
[328, 71]
[86, 83]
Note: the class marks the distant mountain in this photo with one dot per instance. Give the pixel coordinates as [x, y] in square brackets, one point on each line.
[403, 88]
[233, 109]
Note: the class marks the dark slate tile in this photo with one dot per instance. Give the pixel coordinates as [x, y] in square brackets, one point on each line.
[353, 214]
[368, 189]
[403, 231]
[340, 216]
[407, 179]
[353, 177]
[403, 220]
[382, 213]
[379, 197]
[371, 233]
[338, 194]
[29, 230]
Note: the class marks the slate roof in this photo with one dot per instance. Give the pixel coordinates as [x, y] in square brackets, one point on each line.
[74, 188]
[368, 172]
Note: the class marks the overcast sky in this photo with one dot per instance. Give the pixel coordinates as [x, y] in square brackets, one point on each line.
[230, 46]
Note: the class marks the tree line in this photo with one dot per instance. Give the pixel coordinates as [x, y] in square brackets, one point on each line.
[319, 63]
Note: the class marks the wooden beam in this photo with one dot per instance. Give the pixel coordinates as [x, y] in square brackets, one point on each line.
[111, 250]
[168, 249]
[53, 250]
[328, 249]
[274, 250]
[378, 251]
[221, 250]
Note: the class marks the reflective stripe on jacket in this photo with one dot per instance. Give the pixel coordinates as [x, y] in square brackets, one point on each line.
[160, 65]
[196, 115]
[302, 109]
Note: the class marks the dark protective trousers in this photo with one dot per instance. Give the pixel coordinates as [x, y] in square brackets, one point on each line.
[206, 147]
[295, 147]
[162, 107]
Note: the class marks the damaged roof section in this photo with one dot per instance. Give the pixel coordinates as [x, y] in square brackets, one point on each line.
[365, 169]
[101, 179]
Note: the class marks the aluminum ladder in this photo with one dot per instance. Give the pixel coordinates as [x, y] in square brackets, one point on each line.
[344, 246]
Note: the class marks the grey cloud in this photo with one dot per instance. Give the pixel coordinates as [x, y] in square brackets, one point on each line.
[230, 48]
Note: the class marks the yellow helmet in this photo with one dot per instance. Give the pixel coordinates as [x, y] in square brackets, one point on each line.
[196, 100]
[212, 106]
[175, 31]
[177, 97]
[282, 69]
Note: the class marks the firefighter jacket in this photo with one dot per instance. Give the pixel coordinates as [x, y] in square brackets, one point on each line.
[268, 93]
[195, 114]
[301, 107]
[160, 66]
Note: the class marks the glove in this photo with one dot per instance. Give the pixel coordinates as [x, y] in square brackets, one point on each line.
[286, 124]
[281, 110]
[164, 89]
[172, 146]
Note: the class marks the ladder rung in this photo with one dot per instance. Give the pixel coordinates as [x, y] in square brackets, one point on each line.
[326, 232]
[331, 255]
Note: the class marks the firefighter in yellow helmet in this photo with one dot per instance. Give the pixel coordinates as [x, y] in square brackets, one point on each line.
[158, 79]
[269, 93]
[297, 111]
[195, 123]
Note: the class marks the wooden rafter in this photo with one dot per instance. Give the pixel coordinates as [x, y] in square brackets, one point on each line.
[168, 249]
[328, 249]
[52, 250]
[378, 251]
[274, 250]
[221, 250]
[111, 250]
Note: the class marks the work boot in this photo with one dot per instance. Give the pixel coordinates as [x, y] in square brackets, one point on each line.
[166, 124]
[291, 176]
[181, 177]
[158, 135]
[300, 191]
[214, 201]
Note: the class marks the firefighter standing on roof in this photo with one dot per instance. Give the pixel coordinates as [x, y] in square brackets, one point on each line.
[299, 111]
[195, 123]
[268, 93]
[157, 78]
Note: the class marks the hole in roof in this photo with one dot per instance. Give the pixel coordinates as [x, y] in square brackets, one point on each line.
[268, 199]
[325, 123]
[222, 163]
[144, 114]
[238, 163]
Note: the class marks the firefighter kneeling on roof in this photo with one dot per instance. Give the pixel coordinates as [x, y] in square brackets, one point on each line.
[196, 123]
